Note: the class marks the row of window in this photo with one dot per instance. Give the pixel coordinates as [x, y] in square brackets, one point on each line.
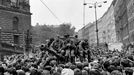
[15, 39]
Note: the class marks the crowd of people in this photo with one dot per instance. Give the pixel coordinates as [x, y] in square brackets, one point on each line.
[70, 56]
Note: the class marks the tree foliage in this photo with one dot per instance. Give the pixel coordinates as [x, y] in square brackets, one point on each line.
[43, 32]
[66, 29]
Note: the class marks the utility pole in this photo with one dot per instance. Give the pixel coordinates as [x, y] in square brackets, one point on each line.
[95, 5]
[83, 30]
[96, 25]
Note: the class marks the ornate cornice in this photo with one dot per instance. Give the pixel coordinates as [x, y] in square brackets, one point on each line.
[14, 10]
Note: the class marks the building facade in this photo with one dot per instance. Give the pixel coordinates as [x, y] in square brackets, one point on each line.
[130, 13]
[121, 21]
[117, 24]
[92, 34]
[80, 34]
[15, 18]
[87, 32]
[15, 21]
[106, 26]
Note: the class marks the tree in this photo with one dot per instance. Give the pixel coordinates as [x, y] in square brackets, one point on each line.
[41, 33]
[66, 29]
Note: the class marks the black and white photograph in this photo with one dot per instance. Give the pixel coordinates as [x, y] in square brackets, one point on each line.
[66, 37]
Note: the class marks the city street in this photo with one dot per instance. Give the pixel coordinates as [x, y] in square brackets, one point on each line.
[66, 37]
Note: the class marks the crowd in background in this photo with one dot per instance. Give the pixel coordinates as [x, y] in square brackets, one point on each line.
[70, 56]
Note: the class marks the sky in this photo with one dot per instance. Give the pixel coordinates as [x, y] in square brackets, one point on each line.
[67, 11]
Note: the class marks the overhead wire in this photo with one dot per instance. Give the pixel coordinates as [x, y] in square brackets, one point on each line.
[50, 10]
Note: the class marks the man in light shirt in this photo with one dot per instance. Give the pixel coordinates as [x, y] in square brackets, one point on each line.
[67, 70]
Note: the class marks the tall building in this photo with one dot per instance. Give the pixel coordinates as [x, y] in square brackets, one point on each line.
[92, 34]
[86, 33]
[121, 21]
[106, 27]
[117, 24]
[80, 34]
[15, 21]
[130, 13]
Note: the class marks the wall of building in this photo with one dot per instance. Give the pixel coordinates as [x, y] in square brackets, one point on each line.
[106, 26]
[6, 23]
[6, 20]
[15, 20]
[121, 20]
[17, 4]
[80, 34]
[7, 14]
[92, 34]
[117, 24]
[88, 32]
[130, 13]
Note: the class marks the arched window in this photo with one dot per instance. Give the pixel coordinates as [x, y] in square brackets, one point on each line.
[15, 23]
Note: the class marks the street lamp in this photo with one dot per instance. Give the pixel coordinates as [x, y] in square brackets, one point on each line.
[95, 5]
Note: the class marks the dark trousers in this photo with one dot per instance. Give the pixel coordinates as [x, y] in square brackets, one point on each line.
[89, 58]
[66, 58]
[81, 58]
[72, 59]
